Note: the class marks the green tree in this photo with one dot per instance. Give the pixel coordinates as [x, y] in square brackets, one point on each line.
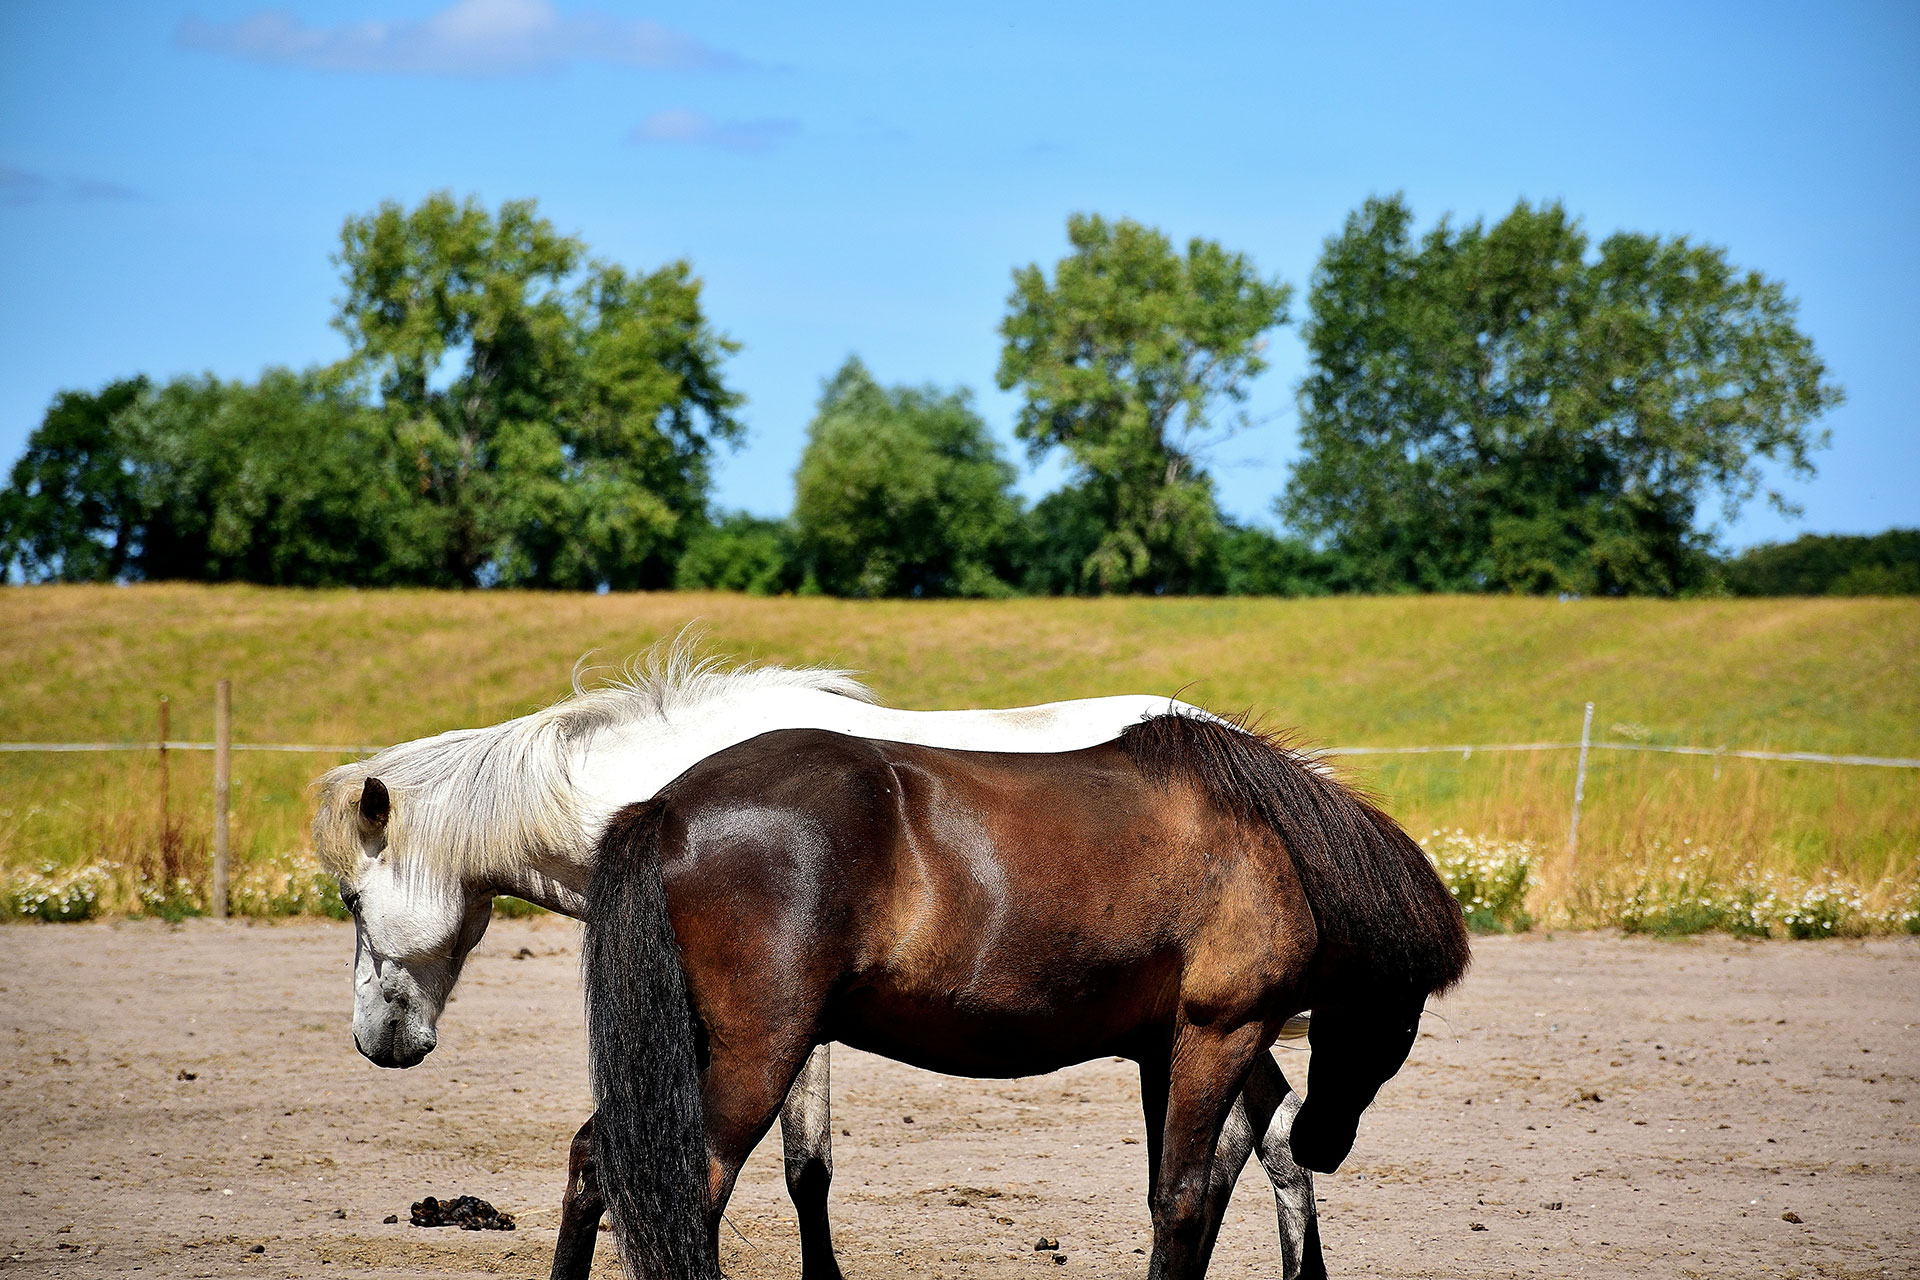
[1058, 538]
[288, 480]
[561, 410]
[1495, 408]
[1133, 358]
[70, 512]
[902, 492]
[1881, 564]
[740, 552]
[1257, 562]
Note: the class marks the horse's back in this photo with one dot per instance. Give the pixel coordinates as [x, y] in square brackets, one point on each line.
[1065, 824]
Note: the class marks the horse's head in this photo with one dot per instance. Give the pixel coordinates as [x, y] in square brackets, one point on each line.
[413, 925]
[1358, 1045]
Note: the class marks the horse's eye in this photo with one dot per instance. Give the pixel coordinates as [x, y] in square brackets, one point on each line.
[350, 900]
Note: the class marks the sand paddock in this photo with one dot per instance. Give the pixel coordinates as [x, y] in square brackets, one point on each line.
[187, 1102]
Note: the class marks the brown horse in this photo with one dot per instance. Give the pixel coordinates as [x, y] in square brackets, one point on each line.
[1172, 897]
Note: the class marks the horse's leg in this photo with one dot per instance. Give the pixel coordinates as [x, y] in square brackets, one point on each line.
[1153, 1106]
[1237, 1140]
[1262, 1119]
[1207, 1065]
[1270, 1105]
[742, 1092]
[580, 1210]
[806, 1133]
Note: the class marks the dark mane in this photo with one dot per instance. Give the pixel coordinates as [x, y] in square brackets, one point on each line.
[1372, 890]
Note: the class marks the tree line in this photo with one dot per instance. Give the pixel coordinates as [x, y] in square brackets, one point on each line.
[1501, 407]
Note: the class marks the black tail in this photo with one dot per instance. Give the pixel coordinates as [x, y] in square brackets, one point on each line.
[1372, 889]
[649, 1131]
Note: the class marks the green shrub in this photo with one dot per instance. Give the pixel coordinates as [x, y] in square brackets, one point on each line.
[1489, 878]
[1824, 910]
[172, 902]
[1685, 893]
[55, 893]
[284, 884]
[1677, 898]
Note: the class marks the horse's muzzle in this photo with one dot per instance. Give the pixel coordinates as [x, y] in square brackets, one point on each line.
[389, 1052]
[1320, 1141]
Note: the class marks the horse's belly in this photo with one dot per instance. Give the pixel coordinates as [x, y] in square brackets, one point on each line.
[969, 1033]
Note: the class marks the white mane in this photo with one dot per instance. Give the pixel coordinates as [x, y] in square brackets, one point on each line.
[474, 801]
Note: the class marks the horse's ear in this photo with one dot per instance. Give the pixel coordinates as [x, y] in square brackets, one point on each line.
[376, 806]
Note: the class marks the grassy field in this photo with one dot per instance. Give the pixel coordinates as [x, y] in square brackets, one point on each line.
[83, 663]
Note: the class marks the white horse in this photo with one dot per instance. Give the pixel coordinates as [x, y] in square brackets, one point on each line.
[424, 835]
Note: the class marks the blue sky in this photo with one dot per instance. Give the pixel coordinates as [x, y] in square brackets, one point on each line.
[864, 178]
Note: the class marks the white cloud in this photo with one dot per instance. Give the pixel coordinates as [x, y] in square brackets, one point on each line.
[23, 186]
[680, 126]
[467, 38]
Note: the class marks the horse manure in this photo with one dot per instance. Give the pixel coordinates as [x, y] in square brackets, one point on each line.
[1060, 1258]
[1476, 1226]
[259, 1248]
[1045, 1243]
[1789, 1216]
[469, 1213]
[184, 1074]
[391, 1218]
[906, 1119]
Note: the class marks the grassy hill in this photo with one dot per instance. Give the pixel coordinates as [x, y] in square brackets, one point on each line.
[1831, 675]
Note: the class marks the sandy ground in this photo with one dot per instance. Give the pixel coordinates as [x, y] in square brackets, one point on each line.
[186, 1102]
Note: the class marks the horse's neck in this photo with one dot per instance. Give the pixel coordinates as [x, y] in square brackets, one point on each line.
[557, 883]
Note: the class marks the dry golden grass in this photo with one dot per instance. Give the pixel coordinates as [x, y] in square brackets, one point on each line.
[87, 663]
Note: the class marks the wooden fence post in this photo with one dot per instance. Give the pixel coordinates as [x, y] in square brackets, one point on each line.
[166, 823]
[1579, 786]
[222, 782]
